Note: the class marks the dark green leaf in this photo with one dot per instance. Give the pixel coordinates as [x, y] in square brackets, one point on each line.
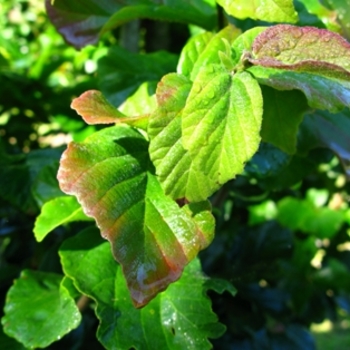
[38, 311]
[323, 129]
[179, 318]
[82, 22]
[283, 112]
[122, 72]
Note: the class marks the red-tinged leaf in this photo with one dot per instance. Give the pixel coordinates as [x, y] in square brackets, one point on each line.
[151, 236]
[301, 48]
[95, 109]
[315, 61]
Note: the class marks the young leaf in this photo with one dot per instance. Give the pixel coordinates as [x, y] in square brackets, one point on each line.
[221, 122]
[205, 49]
[179, 175]
[82, 22]
[160, 324]
[95, 109]
[57, 212]
[266, 10]
[38, 310]
[312, 60]
[152, 238]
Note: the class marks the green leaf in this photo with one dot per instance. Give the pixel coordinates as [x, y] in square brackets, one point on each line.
[122, 72]
[315, 61]
[95, 109]
[56, 212]
[221, 122]
[20, 172]
[9, 343]
[283, 113]
[302, 215]
[205, 49]
[179, 175]
[45, 185]
[81, 22]
[342, 9]
[160, 324]
[152, 238]
[266, 10]
[142, 102]
[323, 129]
[38, 311]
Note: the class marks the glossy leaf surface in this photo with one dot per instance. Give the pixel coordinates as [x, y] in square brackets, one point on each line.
[160, 324]
[82, 22]
[221, 122]
[315, 61]
[267, 10]
[152, 238]
[38, 311]
[56, 212]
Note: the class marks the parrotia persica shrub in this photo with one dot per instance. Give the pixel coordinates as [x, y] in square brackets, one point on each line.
[244, 137]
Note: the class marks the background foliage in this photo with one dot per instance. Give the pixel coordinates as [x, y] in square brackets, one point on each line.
[279, 262]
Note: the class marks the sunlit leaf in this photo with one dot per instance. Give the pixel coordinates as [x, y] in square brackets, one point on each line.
[205, 49]
[38, 311]
[179, 318]
[221, 122]
[56, 212]
[151, 236]
[95, 109]
[315, 61]
[266, 10]
[179, 175]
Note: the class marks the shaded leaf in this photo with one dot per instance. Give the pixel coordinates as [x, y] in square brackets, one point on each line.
[315, 61]
[95, 109]
[342, 9]
[20, 172]
[56, 212]
[268, 161]
[266, 10]
[152, 238]
[82, 22]
[38, 311]
[323, 129]
[160, 324]
[122, 72]
[283, 113]
[221, 122]
[179, 175]
[302, 215]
